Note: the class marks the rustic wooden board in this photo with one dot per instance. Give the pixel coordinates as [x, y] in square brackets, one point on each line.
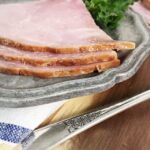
[129, 130]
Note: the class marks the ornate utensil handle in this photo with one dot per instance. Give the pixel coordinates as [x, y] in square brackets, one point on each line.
[55, 134]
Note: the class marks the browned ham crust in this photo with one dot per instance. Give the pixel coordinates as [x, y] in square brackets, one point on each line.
[48, 59]
[108, 45]
[54, 71]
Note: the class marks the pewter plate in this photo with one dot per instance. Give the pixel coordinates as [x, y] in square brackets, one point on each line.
[19, 91]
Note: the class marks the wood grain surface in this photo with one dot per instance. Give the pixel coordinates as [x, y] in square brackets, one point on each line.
[129, 130]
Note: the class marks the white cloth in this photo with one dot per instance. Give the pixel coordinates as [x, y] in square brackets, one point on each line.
[16, 124]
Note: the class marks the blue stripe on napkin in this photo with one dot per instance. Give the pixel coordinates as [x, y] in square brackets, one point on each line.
[13, 133]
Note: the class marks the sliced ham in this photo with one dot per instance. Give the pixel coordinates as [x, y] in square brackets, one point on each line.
[54, 71]
[58, 26]
[139, 8]
[146, 3]
[47, 59]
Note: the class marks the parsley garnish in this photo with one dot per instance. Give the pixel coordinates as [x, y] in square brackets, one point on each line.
[108, 13]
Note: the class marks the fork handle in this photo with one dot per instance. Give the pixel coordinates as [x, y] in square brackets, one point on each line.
[57, 133]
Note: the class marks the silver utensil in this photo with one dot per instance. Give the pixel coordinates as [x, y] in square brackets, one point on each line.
[52, 135]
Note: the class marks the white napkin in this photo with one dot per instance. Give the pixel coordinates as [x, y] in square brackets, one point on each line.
[17, 124]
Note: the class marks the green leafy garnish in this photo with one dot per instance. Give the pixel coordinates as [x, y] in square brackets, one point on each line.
[108, 13]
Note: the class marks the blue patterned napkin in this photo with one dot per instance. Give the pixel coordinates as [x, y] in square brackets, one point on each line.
[17, 124]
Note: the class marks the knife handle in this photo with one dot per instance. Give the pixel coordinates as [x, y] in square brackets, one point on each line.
[59, 132]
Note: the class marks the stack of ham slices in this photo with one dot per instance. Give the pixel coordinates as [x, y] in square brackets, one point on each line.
[54, 38]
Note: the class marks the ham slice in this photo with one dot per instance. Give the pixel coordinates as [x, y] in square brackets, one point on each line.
[58, 26]
[47, 59]
[139, 8]
[54, 71]
[146, 3]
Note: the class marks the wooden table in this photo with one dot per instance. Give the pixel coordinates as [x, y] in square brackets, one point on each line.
[129, 130]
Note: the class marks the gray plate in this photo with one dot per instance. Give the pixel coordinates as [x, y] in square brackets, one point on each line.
[19, 91]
